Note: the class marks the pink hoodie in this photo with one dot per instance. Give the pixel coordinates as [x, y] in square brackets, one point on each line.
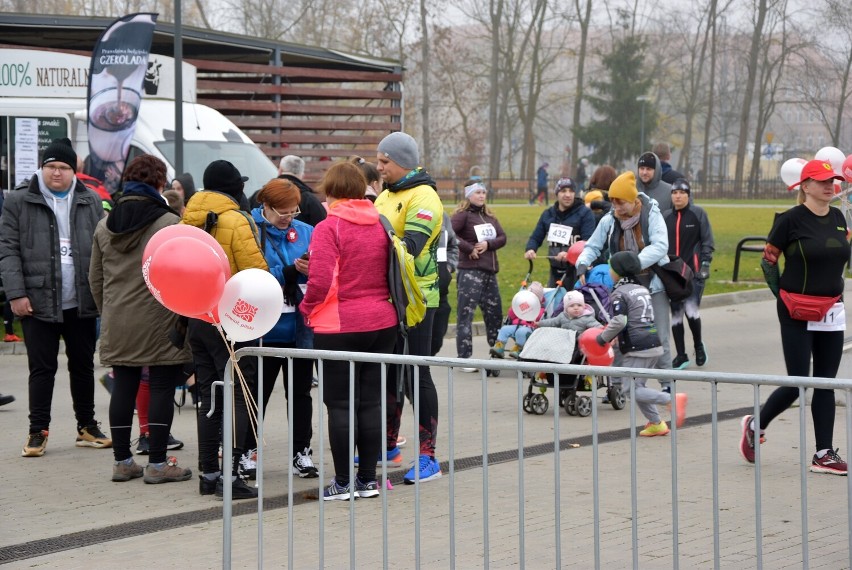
[347, 283]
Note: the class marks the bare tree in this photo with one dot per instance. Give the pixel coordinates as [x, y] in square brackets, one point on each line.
[759, 19]
[583, 10]
[426, 72]
[495, 117]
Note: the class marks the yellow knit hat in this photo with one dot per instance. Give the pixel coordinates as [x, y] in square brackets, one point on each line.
[592, 196]
[624, 187]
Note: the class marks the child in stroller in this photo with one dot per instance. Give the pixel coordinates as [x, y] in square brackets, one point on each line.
[516, 328]
[555, 340]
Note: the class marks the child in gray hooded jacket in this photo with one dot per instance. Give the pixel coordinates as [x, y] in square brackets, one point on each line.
[577, 316]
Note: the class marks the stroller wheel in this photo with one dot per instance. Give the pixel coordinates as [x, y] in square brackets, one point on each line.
[583, 405]
[571, 405]
[494, 373]
[528, 402]
[539, 404]
[616, 398]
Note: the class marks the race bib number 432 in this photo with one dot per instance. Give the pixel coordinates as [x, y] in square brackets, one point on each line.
[560, 234]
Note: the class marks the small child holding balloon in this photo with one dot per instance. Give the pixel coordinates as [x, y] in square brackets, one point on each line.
[518, 329]
[633, 323]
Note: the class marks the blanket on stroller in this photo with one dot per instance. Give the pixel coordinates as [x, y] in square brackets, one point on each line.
[550, 345]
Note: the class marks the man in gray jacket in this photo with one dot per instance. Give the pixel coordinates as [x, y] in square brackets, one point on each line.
[650, 181]
[45, 246]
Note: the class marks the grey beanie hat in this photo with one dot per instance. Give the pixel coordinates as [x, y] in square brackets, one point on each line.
[402, 149]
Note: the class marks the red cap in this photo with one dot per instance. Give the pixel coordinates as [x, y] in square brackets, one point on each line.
[817, 170]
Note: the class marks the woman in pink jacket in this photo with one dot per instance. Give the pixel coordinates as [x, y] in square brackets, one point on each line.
[347, 304]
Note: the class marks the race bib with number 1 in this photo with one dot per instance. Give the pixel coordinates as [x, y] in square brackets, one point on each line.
[834, 319]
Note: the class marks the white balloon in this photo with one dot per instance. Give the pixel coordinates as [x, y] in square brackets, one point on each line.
[791, 170]
[526, 305]
[832, 155]
[250, 305]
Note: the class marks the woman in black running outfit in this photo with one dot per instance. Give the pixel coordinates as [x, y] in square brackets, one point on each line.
[814, 240]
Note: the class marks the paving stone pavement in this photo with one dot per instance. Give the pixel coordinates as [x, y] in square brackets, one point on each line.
[62, 510]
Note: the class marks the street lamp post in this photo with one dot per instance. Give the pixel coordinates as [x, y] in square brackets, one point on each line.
[643, 99]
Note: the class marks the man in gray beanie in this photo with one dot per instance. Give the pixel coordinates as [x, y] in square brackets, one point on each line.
[46, 235]
[410, 202]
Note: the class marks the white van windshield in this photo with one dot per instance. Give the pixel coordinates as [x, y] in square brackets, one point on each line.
[248, 159]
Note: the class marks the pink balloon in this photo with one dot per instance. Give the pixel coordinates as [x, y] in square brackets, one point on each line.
[183, 230]
[186, 276]
[846, 169]
[574, 251]
[589, 344]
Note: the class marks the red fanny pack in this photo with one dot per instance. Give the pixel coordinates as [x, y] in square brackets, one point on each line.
[807, 307]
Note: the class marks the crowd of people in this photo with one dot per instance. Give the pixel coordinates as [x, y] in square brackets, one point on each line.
[70, 270]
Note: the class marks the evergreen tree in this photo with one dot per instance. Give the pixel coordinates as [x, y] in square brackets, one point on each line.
[615, 135]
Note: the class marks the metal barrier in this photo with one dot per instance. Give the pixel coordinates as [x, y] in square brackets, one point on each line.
[741, 247]
[565, 524]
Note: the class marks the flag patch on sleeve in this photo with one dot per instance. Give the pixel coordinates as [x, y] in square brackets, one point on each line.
[424, 214]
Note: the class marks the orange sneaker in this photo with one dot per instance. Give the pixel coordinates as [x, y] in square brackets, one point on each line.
[680, 414]
[12, 337]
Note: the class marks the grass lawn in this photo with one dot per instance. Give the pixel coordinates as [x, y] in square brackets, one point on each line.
[731, 221]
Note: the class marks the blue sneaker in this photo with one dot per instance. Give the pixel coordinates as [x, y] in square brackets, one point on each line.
[394, 457]
[429, 469]
[366, 490]
[335, 492]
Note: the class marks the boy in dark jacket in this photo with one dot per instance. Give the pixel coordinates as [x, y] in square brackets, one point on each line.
[633, 323]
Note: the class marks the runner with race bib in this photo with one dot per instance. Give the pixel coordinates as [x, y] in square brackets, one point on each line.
[561, 225]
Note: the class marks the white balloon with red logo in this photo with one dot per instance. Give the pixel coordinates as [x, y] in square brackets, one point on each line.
[250, 305]
[832, 155]
[526, 305]
[791, 170]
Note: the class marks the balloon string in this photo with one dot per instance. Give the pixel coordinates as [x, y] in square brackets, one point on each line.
[248, 397]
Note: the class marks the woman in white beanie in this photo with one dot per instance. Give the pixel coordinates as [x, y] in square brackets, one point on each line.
[480, 235]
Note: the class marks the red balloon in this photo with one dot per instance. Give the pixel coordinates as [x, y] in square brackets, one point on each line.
[183, 230]
[604, 359]
[589, 344]
[846, 169]
[186, 276]
[574, 251]
[206, 317]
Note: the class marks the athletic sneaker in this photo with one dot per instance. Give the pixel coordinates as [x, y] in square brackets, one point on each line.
[394, 457]
[35, 445]
[144, 446]
[680, 362]
[366, 490]
[123, 471]
[469, 369]
[173, 444]
[12, 337]
[401, 441]
[429, 469]
[169, 472]
[652, 430]
[304, 464]
[747, 439]
[335, 492]
[700, 355]
[248, 464]
[829, 463]
[239, 489]
[92, 436]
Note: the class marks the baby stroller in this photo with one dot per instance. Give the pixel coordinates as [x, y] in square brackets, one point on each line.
[559, 346]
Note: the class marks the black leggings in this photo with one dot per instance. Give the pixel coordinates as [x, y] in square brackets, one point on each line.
[161, 381]
[367, 399]
[210, 355]
[303, 406]
[799, 344]
[419, 344]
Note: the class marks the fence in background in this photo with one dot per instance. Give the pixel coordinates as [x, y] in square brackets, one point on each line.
[559, 526]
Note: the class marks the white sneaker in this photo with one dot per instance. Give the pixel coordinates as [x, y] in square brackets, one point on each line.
[304, 464]
[468, 369]
[248, 464]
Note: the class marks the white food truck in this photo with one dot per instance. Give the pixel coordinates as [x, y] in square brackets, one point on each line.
[43, 97]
